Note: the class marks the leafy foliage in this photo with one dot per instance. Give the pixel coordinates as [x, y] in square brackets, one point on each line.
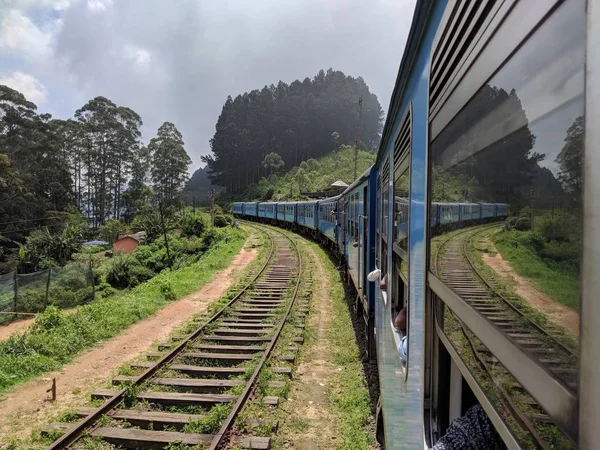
[311, 176]
[44, 248]
[56, 340]
[125, 271]
[192, 226]
[169, 163]
[305, 119]
[111, 230]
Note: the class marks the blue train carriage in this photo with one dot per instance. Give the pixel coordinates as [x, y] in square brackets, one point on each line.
[488, 212]
[328, 214]
[355, 201]
[266, 210]
[307, 214]
[501, 211]
[286, 212]
[236, 209]
[469, 212]
[474, 75]
[250, 209]
[448, 215]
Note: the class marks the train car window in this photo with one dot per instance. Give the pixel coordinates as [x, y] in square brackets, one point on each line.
[385, 189]
[513, 159]
[378, 224]
[402, 185]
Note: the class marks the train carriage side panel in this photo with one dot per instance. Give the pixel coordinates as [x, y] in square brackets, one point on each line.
[237, 208]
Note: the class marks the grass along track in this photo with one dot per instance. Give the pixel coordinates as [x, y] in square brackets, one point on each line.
[55, 338]
[217, 349]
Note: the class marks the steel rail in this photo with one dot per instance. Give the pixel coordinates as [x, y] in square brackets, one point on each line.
[241, 400]
[89, 421]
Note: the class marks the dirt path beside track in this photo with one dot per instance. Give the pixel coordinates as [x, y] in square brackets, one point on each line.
[24, 408]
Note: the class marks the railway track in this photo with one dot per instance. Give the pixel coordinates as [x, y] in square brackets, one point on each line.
[456, 268]
[212, 372]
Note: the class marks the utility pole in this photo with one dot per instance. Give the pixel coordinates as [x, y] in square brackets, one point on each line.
[360, 102]
[212, 195]
[162, 224]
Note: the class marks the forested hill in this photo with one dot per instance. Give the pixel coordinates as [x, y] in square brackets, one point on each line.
[305, 119]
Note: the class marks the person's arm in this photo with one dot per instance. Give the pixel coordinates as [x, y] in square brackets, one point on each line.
[472, 431]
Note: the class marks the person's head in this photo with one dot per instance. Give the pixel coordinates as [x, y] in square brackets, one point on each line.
[400, 320]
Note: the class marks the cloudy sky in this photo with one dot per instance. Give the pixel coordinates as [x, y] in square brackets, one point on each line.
[177, 60]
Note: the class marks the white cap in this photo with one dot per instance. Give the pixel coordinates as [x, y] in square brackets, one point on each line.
[374, 276]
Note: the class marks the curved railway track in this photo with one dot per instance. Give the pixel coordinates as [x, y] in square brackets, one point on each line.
[455, 267]
[217, 364]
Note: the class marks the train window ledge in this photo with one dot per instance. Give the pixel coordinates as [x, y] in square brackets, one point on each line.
[556, 399]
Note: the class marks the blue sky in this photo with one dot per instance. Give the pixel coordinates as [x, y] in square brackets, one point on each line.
[178, 60]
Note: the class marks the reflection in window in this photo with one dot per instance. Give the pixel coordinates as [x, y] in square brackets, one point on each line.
[506, 188]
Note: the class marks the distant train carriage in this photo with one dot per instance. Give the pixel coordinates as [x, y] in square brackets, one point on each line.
[327, 211]
[250, 209]
[262, 211]
[306, 214]
[280, 212]
[488, 211]
[270, 210]
[448, 214]
[501, 210]
[237, 209]
[469, 212]
[286, 212]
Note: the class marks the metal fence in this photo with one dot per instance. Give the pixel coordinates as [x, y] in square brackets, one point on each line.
[64, 287]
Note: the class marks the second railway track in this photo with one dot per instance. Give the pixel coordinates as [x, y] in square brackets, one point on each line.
[456, 267]
[216, 366]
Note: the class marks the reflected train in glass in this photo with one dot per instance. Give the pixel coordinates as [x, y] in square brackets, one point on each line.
[474, 239]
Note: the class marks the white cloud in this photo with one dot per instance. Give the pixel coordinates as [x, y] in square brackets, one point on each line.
[27, 84]
[99, 5]
[56, 5]
[19, 35]
[141, 57]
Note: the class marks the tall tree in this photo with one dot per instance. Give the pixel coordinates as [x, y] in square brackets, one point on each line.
[34, 180]
[110, 136]
[170, 163]
[570, 160]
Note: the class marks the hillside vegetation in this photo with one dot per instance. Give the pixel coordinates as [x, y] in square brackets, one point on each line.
[293, 122]
[313, 175]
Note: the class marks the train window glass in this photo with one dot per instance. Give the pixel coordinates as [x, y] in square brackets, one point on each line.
[402, 184]
[513, 158]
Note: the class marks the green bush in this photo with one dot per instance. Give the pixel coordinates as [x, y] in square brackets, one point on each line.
[561, 227]
[523, 224]
[111, 230]
[193, 226]
[221, 221]
[166, 289]
[149, 221]
[126, 271]
[49, 319]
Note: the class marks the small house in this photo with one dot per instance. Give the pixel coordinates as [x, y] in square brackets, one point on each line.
[127, 243]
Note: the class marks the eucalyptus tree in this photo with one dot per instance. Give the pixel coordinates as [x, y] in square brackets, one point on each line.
[170, 163]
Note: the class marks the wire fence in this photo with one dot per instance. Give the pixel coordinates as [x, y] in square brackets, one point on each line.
[31, 293]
